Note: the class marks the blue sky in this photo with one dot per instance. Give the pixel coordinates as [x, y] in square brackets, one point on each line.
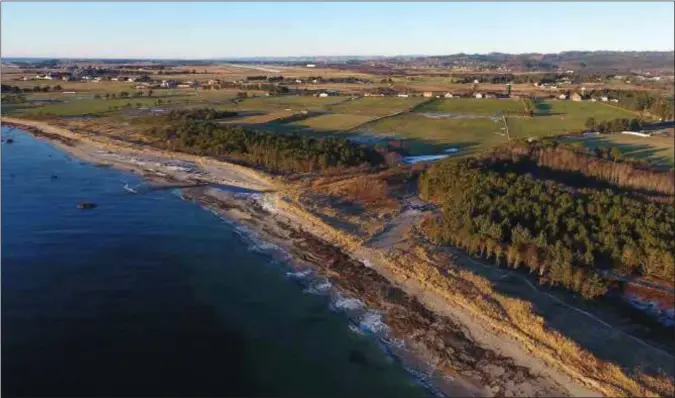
[214, 30]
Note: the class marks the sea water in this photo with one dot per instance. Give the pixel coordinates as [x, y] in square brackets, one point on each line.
[150, 295]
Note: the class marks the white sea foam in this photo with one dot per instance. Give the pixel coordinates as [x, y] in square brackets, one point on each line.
[321, 286]
[365, 321]
[178, 168]
[299, 274]
[372, 322]
[355, 329]
[262, 246]
[348, 304]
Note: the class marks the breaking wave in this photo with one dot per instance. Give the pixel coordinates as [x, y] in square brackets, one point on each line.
[362, 320]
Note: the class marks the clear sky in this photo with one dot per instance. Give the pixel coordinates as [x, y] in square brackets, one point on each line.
[217, 30]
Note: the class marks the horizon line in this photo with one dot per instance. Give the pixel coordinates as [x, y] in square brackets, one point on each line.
[223, 58]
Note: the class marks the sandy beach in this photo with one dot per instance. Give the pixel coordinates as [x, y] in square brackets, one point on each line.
[447, 344]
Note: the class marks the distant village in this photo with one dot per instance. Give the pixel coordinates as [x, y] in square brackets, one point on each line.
[279, 85]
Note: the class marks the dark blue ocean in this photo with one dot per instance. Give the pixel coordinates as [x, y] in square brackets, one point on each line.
[150, 295]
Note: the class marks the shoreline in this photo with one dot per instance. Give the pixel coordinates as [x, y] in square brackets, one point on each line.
[504, 367]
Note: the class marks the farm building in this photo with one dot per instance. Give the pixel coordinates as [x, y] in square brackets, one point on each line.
[428, 94]
[402, 95]
[604, 99]
[562, 97]
[575, 97]
[323, 95]
[478, 95]
[311, 66]
[448, 95]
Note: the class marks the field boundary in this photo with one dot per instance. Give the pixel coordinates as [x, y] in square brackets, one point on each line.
[378, 118]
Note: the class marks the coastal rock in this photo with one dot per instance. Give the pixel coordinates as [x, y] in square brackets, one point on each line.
[494, 371]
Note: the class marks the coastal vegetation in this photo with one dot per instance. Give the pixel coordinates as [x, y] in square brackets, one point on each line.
[193, 131]
[520, 211]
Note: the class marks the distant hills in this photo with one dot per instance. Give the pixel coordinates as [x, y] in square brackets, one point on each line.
[589, 61]
[605, 61]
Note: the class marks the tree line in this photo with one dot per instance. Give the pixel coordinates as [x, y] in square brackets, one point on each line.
[35, 89]
[564, 237]
[194, 132]
[123, 95]
[613, 125]
[13, 99]
[185, 115]
[543, 78]
[600, 167]
[640, 101]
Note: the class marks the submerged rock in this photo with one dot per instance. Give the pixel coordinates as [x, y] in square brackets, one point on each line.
[86, 205]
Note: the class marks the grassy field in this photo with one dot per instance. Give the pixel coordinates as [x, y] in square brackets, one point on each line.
[295, 103]
[427, 135]
[375, 106]
[559, 117]
[598, 110]
[659, 150]
[424, 135]
[88, 106]
[77, 86]
[472, 106]
[260, 118]
[332, 122]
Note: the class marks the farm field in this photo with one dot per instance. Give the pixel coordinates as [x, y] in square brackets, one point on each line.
[659, 150]
[375, 106]
[259, 118]
[295, 103]
[472, 106]
[86, 105]
[471, 123]
[426, 135]
[559, 117]
[77, 86]
[331, 122]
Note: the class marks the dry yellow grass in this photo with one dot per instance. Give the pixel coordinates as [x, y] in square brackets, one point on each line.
[516, 318]
[508, 316]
